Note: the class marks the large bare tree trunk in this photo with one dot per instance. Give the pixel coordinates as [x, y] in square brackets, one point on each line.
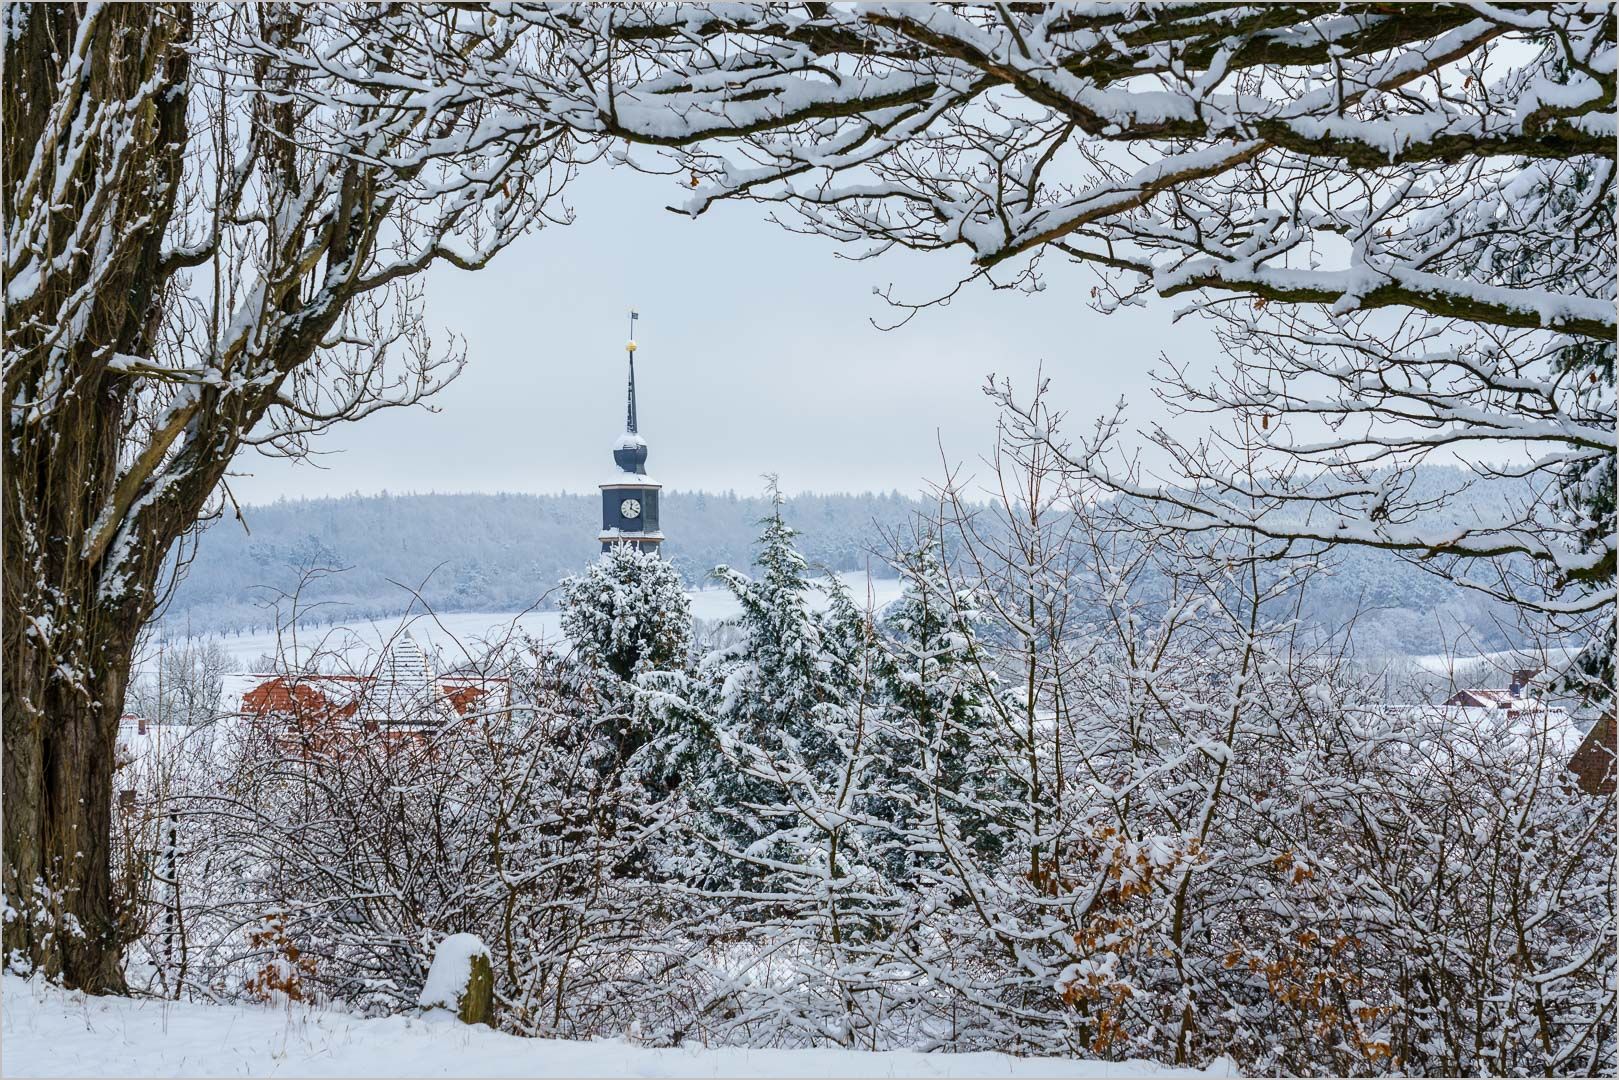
[129, 390]
[58, 784]
[68, 653]
[69, 627]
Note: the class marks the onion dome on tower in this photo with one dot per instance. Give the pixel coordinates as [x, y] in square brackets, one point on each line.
[630, 497]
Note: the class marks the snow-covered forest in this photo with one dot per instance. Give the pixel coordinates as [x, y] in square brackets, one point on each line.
[1109, 780]
[507, 552]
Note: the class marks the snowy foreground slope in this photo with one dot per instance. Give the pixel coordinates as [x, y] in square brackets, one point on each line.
[46, 1032]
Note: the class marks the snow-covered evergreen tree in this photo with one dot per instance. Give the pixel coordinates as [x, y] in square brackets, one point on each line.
[795, 714]
[762, 689]
[628, 613]
[939, 754]
[771, 684]
[629, 620]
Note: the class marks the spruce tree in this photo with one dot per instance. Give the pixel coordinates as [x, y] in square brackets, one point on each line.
[795, 714]
[943, 780]
[628, 618]
[628, 614]
[760, 692]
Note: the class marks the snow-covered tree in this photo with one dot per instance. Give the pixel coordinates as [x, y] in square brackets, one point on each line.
[216, 223]
[772, 682]
[783, 801]
[628, 614]
[1128, 139]
[762, 689]
[187, 685]
[630, 623]
[940, 758]
[1243, 834]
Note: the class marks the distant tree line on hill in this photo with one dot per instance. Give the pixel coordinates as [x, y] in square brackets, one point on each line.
[481, 552]
[509, 551]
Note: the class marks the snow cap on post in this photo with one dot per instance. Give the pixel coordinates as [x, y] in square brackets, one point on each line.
[461, 980]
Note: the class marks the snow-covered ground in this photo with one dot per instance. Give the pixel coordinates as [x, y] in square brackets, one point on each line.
[47, 1032]
[450, 632]
[1491, 669]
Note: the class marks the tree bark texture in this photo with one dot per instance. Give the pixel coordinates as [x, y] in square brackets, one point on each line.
[95, 114]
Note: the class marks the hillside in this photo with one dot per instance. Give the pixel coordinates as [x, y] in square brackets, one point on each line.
[477, 552]
[506, 553]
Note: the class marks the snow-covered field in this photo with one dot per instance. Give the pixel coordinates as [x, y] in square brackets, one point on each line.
[1492, 668]
[47, 1032]
[452, 631]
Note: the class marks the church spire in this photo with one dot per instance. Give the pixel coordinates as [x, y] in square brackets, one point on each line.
[630, 498]
[630, 453]
[629, 413]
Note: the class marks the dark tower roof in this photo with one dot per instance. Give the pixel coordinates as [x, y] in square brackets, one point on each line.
[630, 450]
[629, 411]
[630, 453]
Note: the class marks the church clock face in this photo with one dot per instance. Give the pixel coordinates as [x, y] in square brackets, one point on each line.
[630, 508]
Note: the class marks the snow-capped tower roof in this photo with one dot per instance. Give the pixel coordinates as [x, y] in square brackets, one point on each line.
[630, 450]
[402, 690]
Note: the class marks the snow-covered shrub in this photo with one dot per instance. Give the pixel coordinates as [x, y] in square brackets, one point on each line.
[1227, 840]
[285, 970]
[368, 844]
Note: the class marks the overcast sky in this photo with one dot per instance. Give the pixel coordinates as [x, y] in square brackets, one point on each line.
[757, 354]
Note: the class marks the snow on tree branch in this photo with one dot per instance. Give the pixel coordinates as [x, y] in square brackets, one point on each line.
[1192, 149]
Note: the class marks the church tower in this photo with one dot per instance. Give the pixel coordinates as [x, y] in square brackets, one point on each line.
[630, 497]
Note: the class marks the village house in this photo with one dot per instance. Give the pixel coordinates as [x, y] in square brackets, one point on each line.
[1519, 693]
[1593, 757]
[404, 698]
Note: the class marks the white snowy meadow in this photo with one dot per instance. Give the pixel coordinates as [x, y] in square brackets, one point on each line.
[456, 633]
[49, 1032]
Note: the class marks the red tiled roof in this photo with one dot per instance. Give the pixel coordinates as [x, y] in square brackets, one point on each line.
[463, 698]
[342, 696]
[302, 697]
[1481, 699]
